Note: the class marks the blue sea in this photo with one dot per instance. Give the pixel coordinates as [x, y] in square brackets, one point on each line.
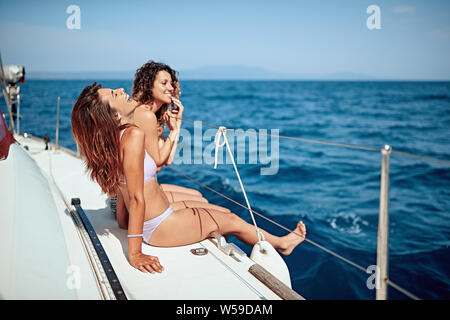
[333, 190]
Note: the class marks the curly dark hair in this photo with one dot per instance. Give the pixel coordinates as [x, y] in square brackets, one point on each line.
[144, 79]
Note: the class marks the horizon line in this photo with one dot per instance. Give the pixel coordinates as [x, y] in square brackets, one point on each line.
[250, 79]
[269, 76]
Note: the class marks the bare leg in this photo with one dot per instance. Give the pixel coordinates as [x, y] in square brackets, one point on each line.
[180, 196]
[175, 188]
[197, 204]
[187, 226]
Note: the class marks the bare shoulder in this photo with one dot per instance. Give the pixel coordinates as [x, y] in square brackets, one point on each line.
[144, 116]
[133, 136]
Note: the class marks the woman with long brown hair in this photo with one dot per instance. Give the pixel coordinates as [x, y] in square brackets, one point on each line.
[116, 157]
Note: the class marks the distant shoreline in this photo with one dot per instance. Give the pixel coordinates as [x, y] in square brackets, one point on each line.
[225, 73]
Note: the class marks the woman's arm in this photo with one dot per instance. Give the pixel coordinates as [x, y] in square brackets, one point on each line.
[178, 114]
[161, 141]
[133, 167]
[146, 120]
[175, 144]
[161, 138]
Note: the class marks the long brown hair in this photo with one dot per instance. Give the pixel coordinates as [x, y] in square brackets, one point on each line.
[95, 128]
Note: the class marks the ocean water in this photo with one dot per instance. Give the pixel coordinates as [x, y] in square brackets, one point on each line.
[333, 190]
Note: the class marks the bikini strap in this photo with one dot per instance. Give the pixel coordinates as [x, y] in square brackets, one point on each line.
[121, 133]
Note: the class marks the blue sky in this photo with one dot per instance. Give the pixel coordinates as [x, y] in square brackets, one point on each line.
[301, 37]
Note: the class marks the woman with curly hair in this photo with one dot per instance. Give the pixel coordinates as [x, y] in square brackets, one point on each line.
[156, 88]
[116, 158]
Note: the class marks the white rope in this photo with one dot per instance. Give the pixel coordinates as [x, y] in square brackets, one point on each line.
[222, 132]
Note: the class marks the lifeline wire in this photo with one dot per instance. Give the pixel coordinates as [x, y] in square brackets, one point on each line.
[405, 154]
[395, 286]
[400, 153]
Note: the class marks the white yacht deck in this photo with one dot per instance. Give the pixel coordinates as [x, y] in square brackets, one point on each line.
[186, 276]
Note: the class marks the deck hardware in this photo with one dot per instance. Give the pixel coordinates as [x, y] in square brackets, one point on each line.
[46, 140]
[199, 251]
[237, 249]
[222, 244]
[104, 260]
[228, 248]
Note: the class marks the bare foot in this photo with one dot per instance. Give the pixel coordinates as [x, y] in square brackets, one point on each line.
[290, 241]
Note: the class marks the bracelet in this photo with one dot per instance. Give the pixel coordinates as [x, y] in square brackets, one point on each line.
[136, 235]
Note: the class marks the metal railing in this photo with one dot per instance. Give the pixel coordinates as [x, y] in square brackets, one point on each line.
[57, 123]
[383, 219]
[382, 277]
[383, 226]
[5, 94]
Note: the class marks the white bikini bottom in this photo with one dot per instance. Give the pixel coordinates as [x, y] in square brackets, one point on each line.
[151, 225]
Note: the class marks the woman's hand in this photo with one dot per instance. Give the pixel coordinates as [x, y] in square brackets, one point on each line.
[171, 120]
[145, 263]
[178, 108]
